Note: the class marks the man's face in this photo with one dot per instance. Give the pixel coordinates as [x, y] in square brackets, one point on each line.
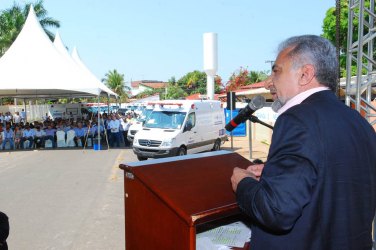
[284, 81]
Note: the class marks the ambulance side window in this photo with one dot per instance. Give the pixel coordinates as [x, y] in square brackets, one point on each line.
[191, 122]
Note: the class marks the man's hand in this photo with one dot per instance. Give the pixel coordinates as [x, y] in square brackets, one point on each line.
[238, 174]
[256, 170]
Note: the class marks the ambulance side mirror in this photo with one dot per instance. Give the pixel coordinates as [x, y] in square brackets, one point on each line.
[188, 126]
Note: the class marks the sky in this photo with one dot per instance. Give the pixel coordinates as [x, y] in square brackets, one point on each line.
[160, 39]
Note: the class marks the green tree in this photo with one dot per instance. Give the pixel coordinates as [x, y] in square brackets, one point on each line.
[149, 92]
[195, 82]
[257, 76]
[329, 31]
[192, 81]
[115, 81]
[174, 91]
[13, 19]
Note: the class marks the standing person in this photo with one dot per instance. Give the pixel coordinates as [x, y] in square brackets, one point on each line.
[125, 125]
[2, 119]
[16, 118]
[23, 116]
[8, 118]
[317, 189]
[114, 126]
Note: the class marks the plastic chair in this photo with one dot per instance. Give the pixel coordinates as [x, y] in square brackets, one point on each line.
[26, 144]
[7, 145]
[70, 138]
[48, 143]
[88, 142]
[60, 142]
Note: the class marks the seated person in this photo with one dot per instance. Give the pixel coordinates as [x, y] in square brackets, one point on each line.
[38, 137]
[17, 136]
[91, 131]
[27, 135]
[1, 134]
[80, 134]
[8, 136]
[50, 134]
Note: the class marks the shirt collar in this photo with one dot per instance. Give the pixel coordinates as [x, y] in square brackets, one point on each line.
[299, 98]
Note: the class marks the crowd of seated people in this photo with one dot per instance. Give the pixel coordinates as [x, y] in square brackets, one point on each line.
[17, 134]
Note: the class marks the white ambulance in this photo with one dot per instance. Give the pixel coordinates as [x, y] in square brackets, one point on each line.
[138, 123]
[178, 127]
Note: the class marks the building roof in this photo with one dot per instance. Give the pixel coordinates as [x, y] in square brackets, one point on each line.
[199, 96]
[135, 84]
[154, 85]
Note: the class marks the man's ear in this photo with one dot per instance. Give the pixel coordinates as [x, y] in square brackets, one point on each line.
[307, 74]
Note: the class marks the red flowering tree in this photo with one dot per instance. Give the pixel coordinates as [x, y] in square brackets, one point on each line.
[238, 79]
[243, 77]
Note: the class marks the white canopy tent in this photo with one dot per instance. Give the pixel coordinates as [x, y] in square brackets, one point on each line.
[33, 68]
[77, 63]
[75, 56]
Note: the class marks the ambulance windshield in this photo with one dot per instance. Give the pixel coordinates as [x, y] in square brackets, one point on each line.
[165, 120]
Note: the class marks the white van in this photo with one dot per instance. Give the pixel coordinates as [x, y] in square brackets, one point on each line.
[137, 124]
[181, 127]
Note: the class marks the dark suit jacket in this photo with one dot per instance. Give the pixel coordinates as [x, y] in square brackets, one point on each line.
[318, 187]
[4, 231]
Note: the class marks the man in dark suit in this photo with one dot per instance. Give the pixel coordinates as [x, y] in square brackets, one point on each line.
[317, 189]
[4, 231]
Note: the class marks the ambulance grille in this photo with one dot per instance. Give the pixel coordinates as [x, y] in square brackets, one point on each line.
[149, 143]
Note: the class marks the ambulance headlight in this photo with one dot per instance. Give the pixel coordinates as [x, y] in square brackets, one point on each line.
[168, 142]
[135, 141]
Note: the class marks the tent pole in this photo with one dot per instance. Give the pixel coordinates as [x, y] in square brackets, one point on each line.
[24, 101]
[108, 104]
[99, 124]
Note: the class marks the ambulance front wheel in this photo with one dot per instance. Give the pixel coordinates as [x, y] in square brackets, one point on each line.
[181, 151]
[141, 158]
[217, 145]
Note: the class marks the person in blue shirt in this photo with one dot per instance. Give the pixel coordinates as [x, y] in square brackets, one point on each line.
[80, 134]
[8, 137]
[27, 135]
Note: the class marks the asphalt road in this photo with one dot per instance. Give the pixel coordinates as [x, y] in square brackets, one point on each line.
[64, 199]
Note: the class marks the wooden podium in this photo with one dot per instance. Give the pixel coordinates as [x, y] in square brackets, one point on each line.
[167, 200]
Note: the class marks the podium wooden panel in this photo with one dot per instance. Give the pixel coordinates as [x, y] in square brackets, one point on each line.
[166, 199]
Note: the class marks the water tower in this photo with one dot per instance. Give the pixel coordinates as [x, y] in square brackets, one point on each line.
[210, 62]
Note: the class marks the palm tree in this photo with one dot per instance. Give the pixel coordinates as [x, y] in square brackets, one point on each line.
[11, 22]
[115, 81]
[44, 20]
[13, 19]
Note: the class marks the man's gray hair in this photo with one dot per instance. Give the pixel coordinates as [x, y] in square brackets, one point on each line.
[315, 50]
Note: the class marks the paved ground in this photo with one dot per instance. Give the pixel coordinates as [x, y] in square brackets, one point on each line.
[241, 146]
[72, 199]
[64, 199]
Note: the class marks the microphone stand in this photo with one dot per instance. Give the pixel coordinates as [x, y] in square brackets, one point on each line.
[254, 119]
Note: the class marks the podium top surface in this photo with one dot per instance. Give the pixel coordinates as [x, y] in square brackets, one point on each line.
[197, 187]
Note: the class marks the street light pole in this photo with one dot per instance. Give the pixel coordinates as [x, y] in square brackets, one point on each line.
[271, 63]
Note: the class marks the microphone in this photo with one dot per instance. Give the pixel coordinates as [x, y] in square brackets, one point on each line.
[276, 105]
[256, 103]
